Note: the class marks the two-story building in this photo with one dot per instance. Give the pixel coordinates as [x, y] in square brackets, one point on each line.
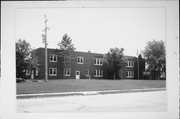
[80, 65]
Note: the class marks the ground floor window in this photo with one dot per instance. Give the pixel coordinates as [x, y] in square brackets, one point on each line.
[130, 74]
[37, 72]
[98, 73]
[53, 71]
[67, 71]
[27, 72]
[87, 72]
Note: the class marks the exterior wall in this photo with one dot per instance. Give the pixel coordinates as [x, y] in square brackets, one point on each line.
[133, 69]
[88, 64]
[81, 67]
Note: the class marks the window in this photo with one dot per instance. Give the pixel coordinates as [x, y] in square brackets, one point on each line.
[80, 60]
[130, 74]
[87, 72]
[52, 71]
[98, 73]
[98, 61]
[27, 72]
[67, 72]
[37, 72]
[130, 63]
[53, 58]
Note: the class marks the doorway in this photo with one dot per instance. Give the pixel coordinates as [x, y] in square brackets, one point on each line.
[77, 75]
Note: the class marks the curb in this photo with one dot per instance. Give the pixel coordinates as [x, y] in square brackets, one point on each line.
[85, 93]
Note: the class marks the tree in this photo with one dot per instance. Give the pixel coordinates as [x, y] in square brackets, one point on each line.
[67, 49]
[22, 57]
[155, 56]
[115, 60]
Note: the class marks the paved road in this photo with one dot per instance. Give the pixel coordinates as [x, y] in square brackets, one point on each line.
[122, 102]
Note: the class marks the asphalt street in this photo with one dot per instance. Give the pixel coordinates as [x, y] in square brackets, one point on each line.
[121, 102]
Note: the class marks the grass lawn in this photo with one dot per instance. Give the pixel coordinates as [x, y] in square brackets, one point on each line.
[70, 85]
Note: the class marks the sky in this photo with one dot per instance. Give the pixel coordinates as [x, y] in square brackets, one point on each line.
[92, 29]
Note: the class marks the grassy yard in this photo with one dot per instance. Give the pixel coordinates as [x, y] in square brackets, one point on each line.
[71, 85]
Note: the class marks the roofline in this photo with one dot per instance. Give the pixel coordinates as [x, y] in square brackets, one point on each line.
[81, 52]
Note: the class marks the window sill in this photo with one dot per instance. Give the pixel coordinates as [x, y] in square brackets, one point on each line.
[98, 64]
[129, 77]
[52, 61]
[80, 63]
[98, 76]
[52, 75]
[130, 66]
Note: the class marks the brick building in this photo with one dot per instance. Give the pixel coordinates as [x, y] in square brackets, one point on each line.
[81, 65]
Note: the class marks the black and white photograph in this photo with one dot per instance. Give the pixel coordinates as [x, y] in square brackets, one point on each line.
[88, 57]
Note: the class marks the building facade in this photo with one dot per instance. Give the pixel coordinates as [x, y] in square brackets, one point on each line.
[80, 65]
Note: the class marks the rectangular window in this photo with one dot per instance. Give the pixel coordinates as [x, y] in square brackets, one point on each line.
[27, 72]
[37, 72]
[52, 71]
[67, 72]
[130, 63]
[94, 72]
[87, 72]
[130, 74]
[98, 73]
[80, 60]
[98, 61]
[53, 58]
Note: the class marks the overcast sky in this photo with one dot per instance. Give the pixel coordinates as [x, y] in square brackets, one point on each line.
[93, 29]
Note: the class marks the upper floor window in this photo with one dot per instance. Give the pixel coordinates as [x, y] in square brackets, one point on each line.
[130, 74]
[98, 61]
[130, 63]
[98, 73]
[67, 72]
[80, 60]
[52, 71]
[53, 58]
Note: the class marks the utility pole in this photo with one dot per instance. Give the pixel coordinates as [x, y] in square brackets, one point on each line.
[138, 63]
[44, 35]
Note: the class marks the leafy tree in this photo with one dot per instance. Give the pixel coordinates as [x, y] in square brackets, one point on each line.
[22, 55]
[67, 49]
[155, 56]
[115, 60]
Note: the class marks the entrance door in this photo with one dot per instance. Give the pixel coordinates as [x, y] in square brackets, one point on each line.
[77, 74]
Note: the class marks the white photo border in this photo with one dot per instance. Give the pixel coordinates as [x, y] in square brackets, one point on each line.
[8, 82]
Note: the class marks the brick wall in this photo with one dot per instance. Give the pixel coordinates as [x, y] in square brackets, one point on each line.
[87, 66]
